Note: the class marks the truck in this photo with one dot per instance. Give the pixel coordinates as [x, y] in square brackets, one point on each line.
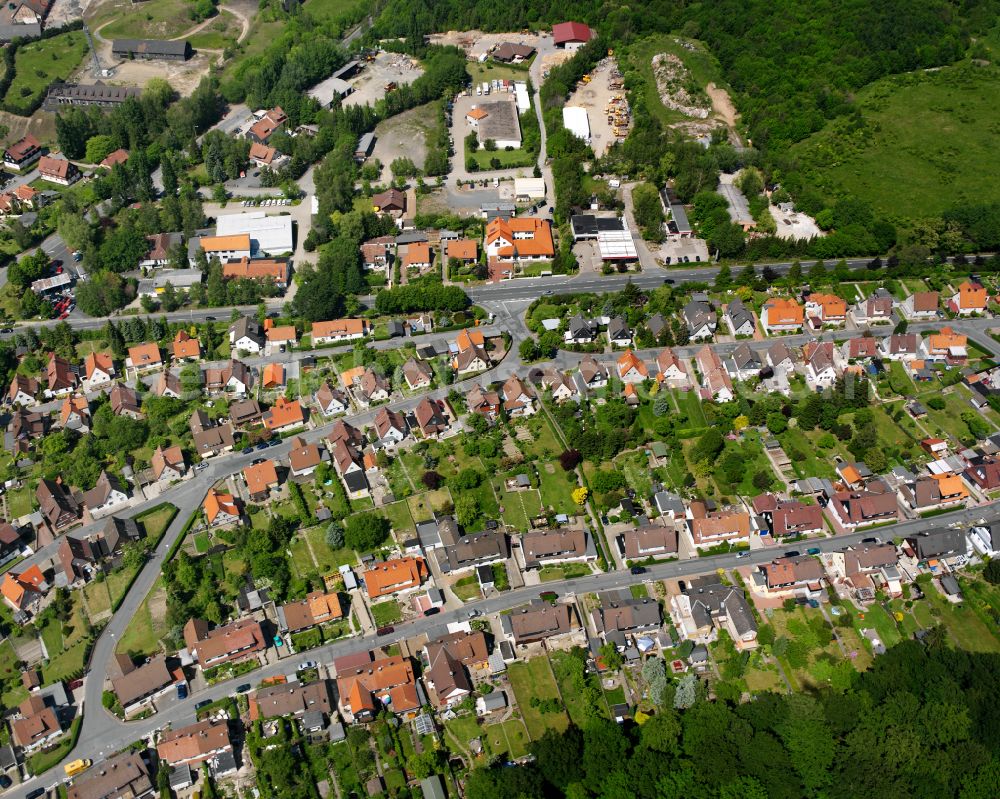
[77, 766]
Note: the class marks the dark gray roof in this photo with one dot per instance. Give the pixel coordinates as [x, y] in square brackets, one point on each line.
[697, 314]
[10, 32]
[97, 92]
[356, 481]
[711, 599]
[151, 47]
[738, 314]
[936, 543]
[656, 323]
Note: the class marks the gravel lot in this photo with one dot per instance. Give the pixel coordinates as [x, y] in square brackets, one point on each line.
[369, 86]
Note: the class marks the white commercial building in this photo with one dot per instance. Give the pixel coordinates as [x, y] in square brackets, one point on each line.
[529, 189]
[616, 245]
[269, 235]
[576, 121]
[522, 97]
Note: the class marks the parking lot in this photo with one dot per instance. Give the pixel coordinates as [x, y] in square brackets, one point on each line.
[387, 68]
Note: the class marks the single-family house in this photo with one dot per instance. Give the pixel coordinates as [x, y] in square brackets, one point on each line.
[235, 641]
[519, 239]
[971, 298]
[284, 415]
[631, 368]
[860, 508]
[700, 318]
[99, 369]
[921, 305]
[220, 508]
[23, 390]
[518, 398]
[168, 464]
[649, 541]
[144, 356]
[618, 332]
[824, 310]
[581, 331]
[394, 576]
[124, 401]
[485, 403]
[261, 479]
[390, 427]
[304, 457]
[337, 330]
[246, 334]
[781, 315]
[431, 416]
[709, 528]
[715, 380]
[58, 170]
[900, 347]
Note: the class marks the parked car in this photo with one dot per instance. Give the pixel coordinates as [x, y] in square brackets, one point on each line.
[473, 614]
[203, 703]
[385, 630]
[243, 688]
[792, 553]
[262, 445]
[813, 551]
[274, 442]
[182, 692]
[638, 570]
[742, 555]
[247, 450]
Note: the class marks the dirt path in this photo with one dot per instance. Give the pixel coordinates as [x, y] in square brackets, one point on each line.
[722, 104]
[312, 553]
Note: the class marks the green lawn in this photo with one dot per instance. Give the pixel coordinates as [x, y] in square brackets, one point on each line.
[467, 589]
[163, 19]
[97, 596]
[566, 572]
[398, 514]
[510, 736]
[202, 543]
[66, 664]
[563, 666]
[387, 612]
[144, 631]
[508, 159]
[156, 520]
[533, 678]
[876, 617]
[423, 506]
[119, 582]
[919, 131]
[494, 70]
[10, 676]
[464, 728]
[41, 62]
[222, 31]
[20, 502]
[557, 487]
[807, 459]
[966, 629]
[329, 560]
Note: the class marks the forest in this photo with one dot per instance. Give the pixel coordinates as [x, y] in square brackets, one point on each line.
[921, 723]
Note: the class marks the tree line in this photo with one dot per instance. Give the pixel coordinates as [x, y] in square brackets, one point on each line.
[922, 721]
